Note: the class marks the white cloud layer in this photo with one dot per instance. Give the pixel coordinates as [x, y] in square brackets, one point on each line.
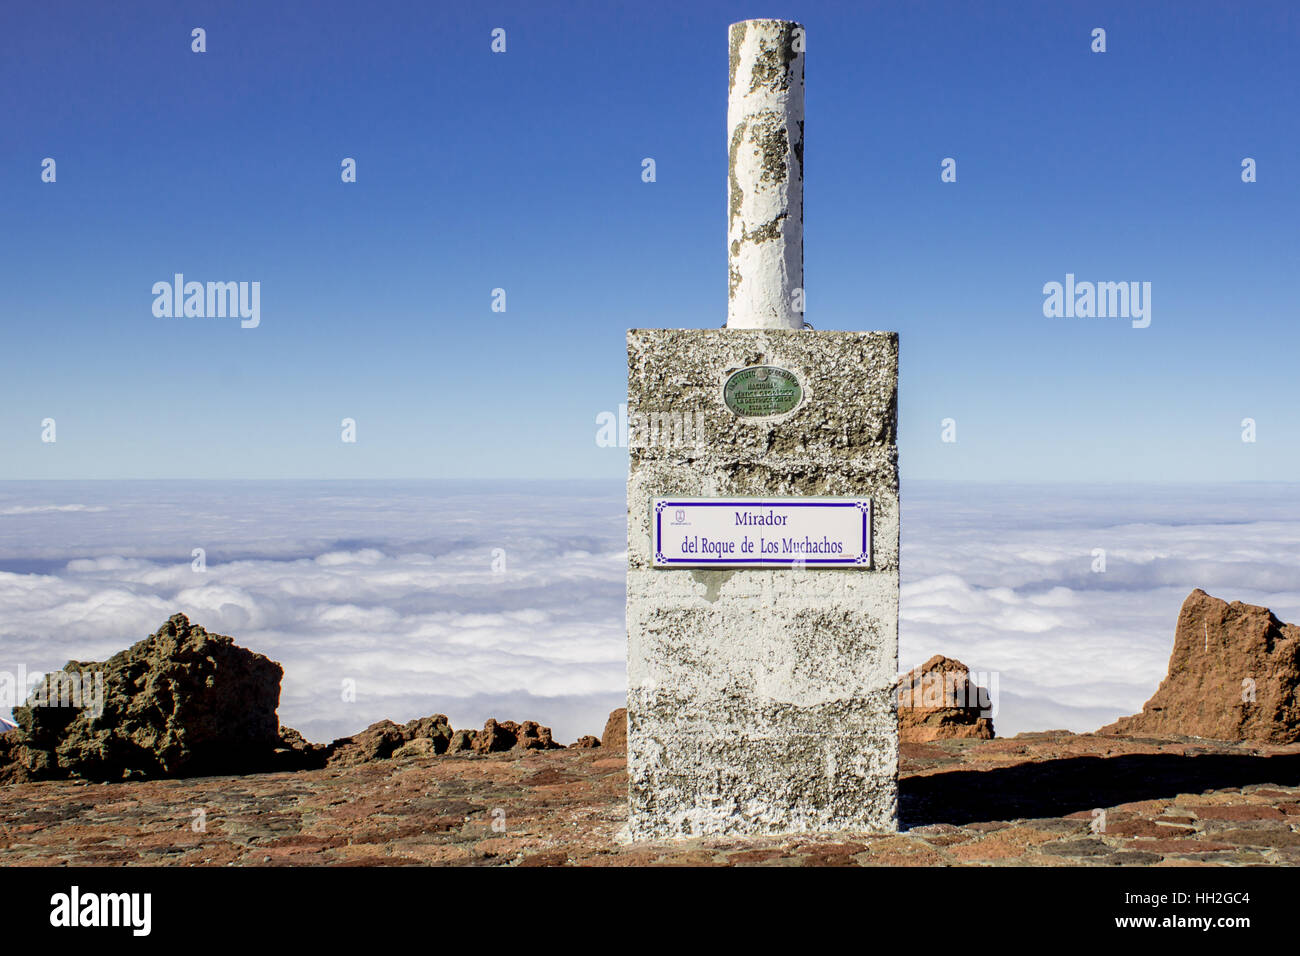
[392, 585]
[1001, 577]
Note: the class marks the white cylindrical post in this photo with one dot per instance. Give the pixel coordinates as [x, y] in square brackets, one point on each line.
[765, 176]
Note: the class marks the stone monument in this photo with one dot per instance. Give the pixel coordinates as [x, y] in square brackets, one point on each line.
[763, 522]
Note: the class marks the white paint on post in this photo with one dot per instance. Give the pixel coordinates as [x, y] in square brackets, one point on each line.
[762, 578]
[765, 114]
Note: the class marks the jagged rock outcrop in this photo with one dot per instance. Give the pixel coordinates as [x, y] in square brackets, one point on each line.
[296, 752]
[462, 741]
[1234, 674]
[16, 759]
[533, 736]
[937, 700]
[184, 702]
[425, 737]
[181, 702]
[586, 742]
[615, 735]
[508, 735]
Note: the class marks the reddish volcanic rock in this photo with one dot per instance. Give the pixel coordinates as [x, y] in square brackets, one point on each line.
[426, 736]
[508, 735]
[16, 759]
[585, 743]
[181, 702]
[494, 737]
[433, 736]
[533, 736]
[937, 700]
[462, 740]
[296, 752]
[1233, 675]
[615, 735]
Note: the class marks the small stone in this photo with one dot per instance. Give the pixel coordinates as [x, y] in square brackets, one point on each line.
[1131, 858]
[1077, 848]
[549, 858]
[1241, 813]
[1275, 837]
[1144, 828]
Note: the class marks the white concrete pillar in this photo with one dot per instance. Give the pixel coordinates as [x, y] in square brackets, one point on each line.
[765, 175]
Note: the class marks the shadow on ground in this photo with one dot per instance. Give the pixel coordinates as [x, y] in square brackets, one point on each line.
[1054, 788]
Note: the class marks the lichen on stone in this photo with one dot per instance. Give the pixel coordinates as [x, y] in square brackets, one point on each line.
[773, 142]
[772, 65]
[735, 194]
[737, 41]
[768, 231]
[734, 277]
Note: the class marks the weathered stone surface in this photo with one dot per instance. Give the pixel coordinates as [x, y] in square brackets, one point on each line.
[761, 700]
[765, 121]
[1222, 653]
[185, 702]
[938, 700]
[615, 735]
[18, 763]
[180, 702]
[496, 737]
[296, 752]
[533, 736]
[585, 743]
[425, 736]
[462, 740]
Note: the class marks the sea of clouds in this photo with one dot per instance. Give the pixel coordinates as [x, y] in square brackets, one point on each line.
[505, 599]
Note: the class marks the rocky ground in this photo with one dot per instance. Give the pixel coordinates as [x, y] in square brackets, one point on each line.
[1026, 800]
[178, 703]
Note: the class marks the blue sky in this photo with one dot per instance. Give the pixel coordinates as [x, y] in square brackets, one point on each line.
[522, 171]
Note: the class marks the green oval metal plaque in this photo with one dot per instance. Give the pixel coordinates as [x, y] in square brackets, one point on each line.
[762, 390]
